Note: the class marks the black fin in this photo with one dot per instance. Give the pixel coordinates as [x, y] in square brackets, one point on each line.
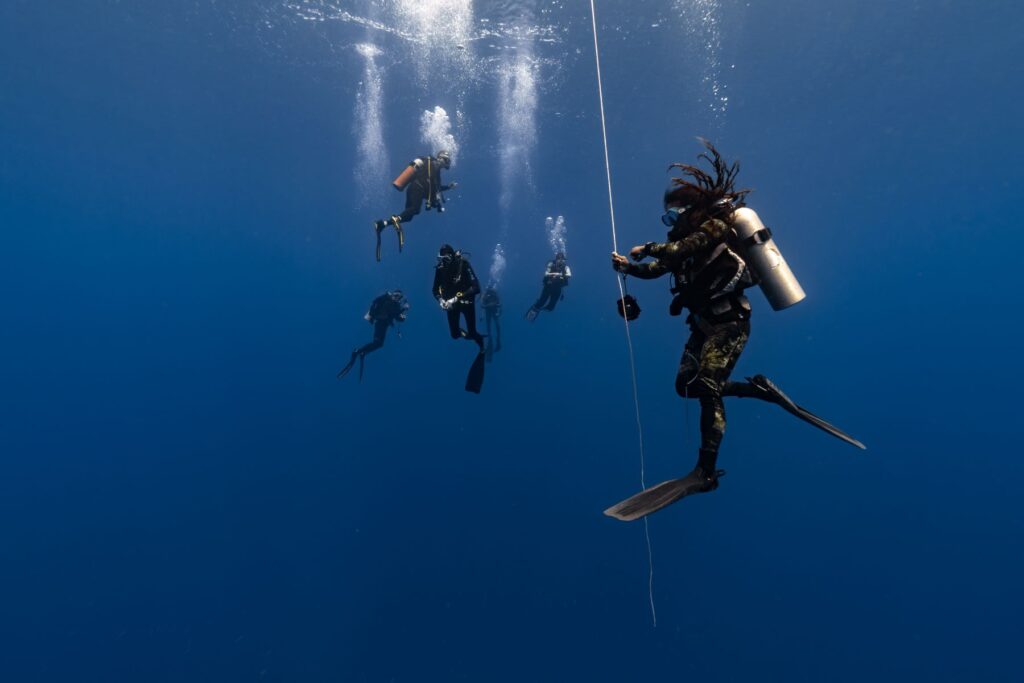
[351, 361]
[776, 394]
[664, 494]
[475, 378]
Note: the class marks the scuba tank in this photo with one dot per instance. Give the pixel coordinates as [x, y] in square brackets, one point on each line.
[759, 250]
[405, 177]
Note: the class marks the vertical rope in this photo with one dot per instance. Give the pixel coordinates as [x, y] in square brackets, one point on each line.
[622, 293]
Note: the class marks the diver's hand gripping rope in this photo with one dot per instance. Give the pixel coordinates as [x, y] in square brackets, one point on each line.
[622, 293]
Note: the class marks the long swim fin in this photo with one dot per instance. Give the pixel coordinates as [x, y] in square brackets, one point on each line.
[401, 233]
[377, 229]
[664, 494]
[776, 395]
[351, 362]
[475, 378]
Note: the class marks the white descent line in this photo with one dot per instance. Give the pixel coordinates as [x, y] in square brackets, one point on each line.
[622, 293]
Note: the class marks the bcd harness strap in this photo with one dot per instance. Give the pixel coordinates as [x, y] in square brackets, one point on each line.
[759, 237]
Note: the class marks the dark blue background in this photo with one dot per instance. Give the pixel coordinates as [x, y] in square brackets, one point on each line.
[188, 494]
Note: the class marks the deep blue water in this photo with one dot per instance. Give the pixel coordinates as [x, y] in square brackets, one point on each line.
[188, 493]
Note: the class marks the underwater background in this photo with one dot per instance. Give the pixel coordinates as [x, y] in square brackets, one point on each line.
[189, 494]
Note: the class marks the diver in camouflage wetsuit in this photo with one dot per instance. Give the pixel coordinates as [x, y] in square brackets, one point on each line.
[709, 278]
[705, 257]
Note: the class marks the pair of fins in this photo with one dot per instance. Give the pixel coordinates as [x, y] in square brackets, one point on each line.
[379, 226]
[667, 492]
[351, 362]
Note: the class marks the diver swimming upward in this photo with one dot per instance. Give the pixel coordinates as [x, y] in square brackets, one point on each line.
[385, 311]
[716, 248]
[421, 181]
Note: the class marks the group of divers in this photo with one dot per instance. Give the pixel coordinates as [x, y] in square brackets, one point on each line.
[715, 249]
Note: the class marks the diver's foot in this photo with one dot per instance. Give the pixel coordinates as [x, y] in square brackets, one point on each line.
[378, 226]
[700, 480]
[768, 391]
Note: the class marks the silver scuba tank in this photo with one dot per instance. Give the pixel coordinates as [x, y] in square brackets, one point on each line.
[777, 281]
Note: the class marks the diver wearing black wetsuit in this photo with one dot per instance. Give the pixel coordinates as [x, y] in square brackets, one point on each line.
[455, 288]
[425, 185]
[385, 311]
[492, 317]
[556, 278]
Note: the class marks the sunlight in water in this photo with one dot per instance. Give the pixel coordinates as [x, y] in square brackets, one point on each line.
[702, 21]
[517, 126]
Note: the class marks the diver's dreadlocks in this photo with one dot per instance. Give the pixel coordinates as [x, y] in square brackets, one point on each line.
[706, 189]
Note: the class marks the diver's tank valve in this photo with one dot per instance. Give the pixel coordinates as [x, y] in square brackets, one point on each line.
[759, 250]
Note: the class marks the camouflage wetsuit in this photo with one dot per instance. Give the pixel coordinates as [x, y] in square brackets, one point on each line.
[709, 281]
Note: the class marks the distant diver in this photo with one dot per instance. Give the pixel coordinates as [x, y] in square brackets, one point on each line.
[491, 303]
[421, 181]
[556, 278]
[455, 288]
[385, 311]
[716, 248]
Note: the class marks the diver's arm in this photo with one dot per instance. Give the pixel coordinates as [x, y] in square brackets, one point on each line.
[644, 271]
[711, 232]
[651, 270]
[436, 289]
[474, 287]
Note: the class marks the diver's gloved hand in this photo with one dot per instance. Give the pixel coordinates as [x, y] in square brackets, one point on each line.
[620, 262]
[448, 303]
[638, 253]
[452, 185]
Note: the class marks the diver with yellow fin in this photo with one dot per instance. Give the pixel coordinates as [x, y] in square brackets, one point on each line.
[716, 249]
[421, 181]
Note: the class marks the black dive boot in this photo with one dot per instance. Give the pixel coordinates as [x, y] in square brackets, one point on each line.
[770, 392]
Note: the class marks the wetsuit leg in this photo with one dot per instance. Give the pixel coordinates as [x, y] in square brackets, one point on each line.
[414, 197]
[380, 331]
[453, 322]
[704, 369]
[469, 313]
[554, 295]
[548, 298]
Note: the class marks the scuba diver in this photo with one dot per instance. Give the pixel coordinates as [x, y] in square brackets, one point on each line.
[716, 248]
[421, 181]
[492, 316]
[556, 278]
[455, 288]
[385, 311]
